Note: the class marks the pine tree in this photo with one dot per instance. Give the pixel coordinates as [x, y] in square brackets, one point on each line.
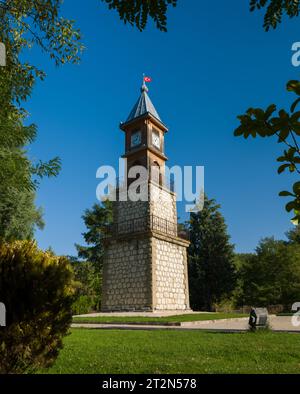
[89, 263]
[97, 220]
[211, 258]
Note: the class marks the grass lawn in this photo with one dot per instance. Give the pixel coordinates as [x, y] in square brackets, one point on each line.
[168, 319]
[113, 351]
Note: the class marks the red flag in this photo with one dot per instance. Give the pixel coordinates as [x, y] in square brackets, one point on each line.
[147, 79]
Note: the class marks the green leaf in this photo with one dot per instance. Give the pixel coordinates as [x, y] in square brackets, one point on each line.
[292, 168]
[282, 168]
[284, 133]
[281, 158]
[294, 105]
[290, 205]
[286, 194]
[294, 86]
[269, 111]
[238, 132]
[296, 188]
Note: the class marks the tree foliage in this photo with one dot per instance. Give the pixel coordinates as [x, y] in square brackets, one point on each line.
[19, 216]
[37, 289]
[275, 9]
[137, 12]
[23, 24]
[88, 267]
[211, 268]
[39, 22]
[270, 276]
[19, 178]
[88, 294]
[97, 221]
[293, 235]
[285, 126]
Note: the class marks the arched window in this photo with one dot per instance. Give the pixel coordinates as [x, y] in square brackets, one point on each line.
[155, 172]
[136, 163]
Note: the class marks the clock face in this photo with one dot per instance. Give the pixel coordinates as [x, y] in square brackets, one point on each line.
[136, 139]
[156, 140]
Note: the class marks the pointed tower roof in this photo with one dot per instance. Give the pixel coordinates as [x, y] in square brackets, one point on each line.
[143, 106]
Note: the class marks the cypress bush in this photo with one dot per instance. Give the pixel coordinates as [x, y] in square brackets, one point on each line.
[37, 289]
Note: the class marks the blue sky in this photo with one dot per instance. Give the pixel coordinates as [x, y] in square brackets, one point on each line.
[214, 63]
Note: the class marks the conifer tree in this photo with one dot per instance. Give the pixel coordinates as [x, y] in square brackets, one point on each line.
[211, 258]
[97, 221]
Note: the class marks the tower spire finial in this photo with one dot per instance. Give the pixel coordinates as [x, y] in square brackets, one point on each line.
[144, 86]
[144, 105]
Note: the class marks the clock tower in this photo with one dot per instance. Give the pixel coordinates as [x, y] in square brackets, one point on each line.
[144, 139]
[145, 262]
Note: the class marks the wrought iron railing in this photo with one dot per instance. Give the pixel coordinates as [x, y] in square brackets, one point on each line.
[147, 223]
[164, 225]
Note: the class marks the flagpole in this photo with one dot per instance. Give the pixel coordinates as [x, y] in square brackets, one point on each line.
[144, 85]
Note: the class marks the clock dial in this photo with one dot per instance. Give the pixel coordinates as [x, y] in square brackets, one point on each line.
[136, 139]
[156, 140]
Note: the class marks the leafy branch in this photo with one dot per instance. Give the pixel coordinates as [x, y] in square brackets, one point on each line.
[136, 12]
[40, 22]
[48, 169]
[286, 127]
[275, 9]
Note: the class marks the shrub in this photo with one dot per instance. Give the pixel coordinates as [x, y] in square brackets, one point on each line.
[37, 289]
[225, 306]
[88, 294]
[83, 304]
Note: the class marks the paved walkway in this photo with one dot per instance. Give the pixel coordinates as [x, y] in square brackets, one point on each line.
[141, 314]
[277, 323]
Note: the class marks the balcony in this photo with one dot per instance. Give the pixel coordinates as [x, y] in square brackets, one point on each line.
[147, 223]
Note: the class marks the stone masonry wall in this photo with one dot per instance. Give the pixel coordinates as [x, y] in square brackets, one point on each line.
[162, 203]
[127, 279]
[133, 216]
[171, 282]
[144, 272]
[129, 210]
